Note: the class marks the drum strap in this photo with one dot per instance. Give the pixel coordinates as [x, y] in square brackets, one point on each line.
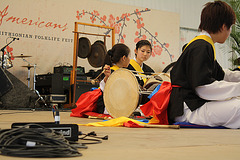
[138, 68]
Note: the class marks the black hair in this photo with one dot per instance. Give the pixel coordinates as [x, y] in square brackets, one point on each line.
[143, 43]
[214, 15]
[116, 53]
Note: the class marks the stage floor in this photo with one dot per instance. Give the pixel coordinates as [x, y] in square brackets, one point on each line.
[139, 143]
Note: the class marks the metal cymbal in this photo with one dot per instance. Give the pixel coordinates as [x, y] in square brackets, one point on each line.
[21, 56]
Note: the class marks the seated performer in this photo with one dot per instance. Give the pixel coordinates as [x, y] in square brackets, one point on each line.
[143, 52]
[91, 103]
[117, 57]
[202, 92]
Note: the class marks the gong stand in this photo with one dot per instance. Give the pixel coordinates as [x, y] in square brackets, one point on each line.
[72, 90]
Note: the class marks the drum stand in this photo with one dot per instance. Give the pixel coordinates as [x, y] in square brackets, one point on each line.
[28, 79]
[34, 83]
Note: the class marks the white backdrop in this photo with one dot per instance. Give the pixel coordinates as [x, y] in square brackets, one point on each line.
[44, 29]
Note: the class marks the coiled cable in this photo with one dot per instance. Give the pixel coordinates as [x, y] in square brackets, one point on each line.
[35, 142]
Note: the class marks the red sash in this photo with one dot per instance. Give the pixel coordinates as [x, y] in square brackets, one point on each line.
[157, 106]
[87, 102]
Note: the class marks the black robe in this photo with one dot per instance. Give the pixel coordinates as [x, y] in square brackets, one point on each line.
[195, 67]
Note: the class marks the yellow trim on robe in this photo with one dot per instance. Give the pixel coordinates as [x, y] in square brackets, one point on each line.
[206, 38]
[138, 68]
[114, 67]
[135, 65]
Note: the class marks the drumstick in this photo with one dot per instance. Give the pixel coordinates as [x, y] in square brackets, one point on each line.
[160, 126]
[161, 73]
[157, 73]
[144, 76]
[94, 80]
[104, 118]
[148, 73]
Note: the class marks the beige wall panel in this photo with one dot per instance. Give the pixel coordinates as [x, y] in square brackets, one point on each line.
[44, 29]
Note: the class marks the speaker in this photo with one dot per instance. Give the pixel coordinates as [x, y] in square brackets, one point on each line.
[67, 70]
[20, 96]
[61, 82]
[5, 83]
[61, 85]
[44, 84]
[82, 88]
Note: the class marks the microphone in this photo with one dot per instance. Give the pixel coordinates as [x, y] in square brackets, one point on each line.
[14, 38]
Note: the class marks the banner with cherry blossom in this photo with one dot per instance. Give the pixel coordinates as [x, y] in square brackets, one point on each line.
[44, 31]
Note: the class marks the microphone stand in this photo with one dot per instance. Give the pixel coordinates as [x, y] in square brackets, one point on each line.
[2, 49]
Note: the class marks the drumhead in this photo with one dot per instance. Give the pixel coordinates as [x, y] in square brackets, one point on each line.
[121, 93]
[152, 83]
[164, 77]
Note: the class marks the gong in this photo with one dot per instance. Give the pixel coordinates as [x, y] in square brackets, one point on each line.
[84, 47]
[97, 54]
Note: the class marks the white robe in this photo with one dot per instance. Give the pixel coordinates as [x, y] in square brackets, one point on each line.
[224, 106]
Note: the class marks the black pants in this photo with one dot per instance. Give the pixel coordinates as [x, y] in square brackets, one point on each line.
[100, 104]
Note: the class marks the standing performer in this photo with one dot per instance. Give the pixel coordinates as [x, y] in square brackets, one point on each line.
[143, 52]
[203, 93]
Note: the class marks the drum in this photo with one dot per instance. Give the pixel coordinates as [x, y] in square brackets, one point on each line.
[121, 93]
[155, 80]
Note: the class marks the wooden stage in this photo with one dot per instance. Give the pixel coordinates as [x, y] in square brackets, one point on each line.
[139, 143]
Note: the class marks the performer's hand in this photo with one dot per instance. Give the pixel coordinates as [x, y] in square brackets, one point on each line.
[107, 72]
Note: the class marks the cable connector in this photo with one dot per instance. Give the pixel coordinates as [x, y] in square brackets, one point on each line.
[92, 134]
[105, 137]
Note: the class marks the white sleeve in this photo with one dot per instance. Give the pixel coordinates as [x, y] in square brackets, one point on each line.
[231, 76]
[102, 85]
[219, 90]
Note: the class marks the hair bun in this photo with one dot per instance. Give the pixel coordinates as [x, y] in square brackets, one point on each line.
[110, 52]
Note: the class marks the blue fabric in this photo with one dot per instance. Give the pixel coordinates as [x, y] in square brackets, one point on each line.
[93, 88]
[143, 120]
[190, 125]
[154, 91]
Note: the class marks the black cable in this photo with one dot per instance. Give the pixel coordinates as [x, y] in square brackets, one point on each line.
[93, 138]
[78, 145]
[92, 141]
[35, 142]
